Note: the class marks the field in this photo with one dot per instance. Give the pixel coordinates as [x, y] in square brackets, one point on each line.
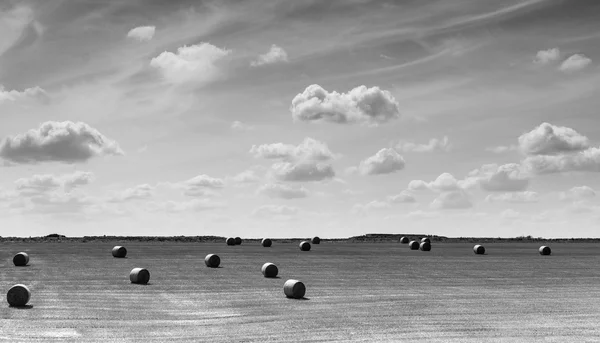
[370, 292]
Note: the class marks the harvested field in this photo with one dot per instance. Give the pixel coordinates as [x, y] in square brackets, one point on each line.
[355, 292]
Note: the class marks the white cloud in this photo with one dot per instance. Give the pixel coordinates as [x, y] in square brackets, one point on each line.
[502, 149]
[586, 160]
[194, 63]
[269, 211]
[547, 56]
[452, 200]
[548, 139]
[434, 144]
[360, 105]
[274, 55]
[309, 150]
[282, 191]
[505, 178]
[514, 197]
[239, 126]
[575, 63]
[66, 142]
[403, 197]
[246, 177]
[578, 193]
[194, 205]
[143, 191]
[443, 183]
[28, 93]
[303, 171]
[201, 185]
[142, 33]
[420, 214]
[385, 161]
[41, 183]
[370, 206]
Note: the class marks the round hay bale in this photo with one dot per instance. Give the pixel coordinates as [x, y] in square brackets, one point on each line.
[403, 240]
[269, 270]
[230, 241]
[294, 289]
[479, 249]
[18, 295]
[139, 275]
[304, 246]
[413, 245]
[425, 239]
[266, 242]
[21, 259]
[425, 246]
[212, 261]
[315, 240]
[119, 251]
[238, 241]
[544, 250]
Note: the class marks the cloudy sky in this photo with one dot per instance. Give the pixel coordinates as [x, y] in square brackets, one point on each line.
[297, 118]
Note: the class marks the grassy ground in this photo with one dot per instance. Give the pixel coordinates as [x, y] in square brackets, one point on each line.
[355, 292]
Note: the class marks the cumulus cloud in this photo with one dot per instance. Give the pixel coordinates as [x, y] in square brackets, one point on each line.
[282, 191]
[239, 126]
[444, 183]
[403, 197]
[142, 33]
[370, 206]
[503, 149]
[452, 200]
[201, 185]
[548, 139]
[514, 197]
[385, 161]
[505, 178]
[575, 63]
[246, 177]
[41, 183]
[309, 149]
[360, 105]
[578, 193]
[194, 63]
[28, 93]
[547, 56]
[143, 191]
[302, 171]
[66, 142]
[434, 144]
[586, 160]
[274, 55]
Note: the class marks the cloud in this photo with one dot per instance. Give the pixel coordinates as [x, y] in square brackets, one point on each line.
[578, 193]
[514, 197]
[370, 206]
[575, 63]
[274, 55]
[246, 177]
[27, 93]
[309, 150]
[302, 171]
[41, 183]
[143, 191]
[66, 142]
[434, 145]
[586, 160]
[194, 205]
[547, 56]
[444, 183]
[385, 161]
[360, 105]
[403, 197]
[452, 200]
[270, 211]
[548, 139]
[239, 126]
[58, 203]
[510, 214]
[201, 185]
[502, 149]
[142, 33]
[277, 190]
[194, 63]
[420, 214]
[505, 178]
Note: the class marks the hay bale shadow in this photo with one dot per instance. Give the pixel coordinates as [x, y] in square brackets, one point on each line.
[24, 307]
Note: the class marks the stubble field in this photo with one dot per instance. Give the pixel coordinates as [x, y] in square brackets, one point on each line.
[371, 292]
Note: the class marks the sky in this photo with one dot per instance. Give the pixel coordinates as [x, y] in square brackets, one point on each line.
[290, 118]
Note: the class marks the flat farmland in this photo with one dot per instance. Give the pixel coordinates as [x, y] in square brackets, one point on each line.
[370, 292]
